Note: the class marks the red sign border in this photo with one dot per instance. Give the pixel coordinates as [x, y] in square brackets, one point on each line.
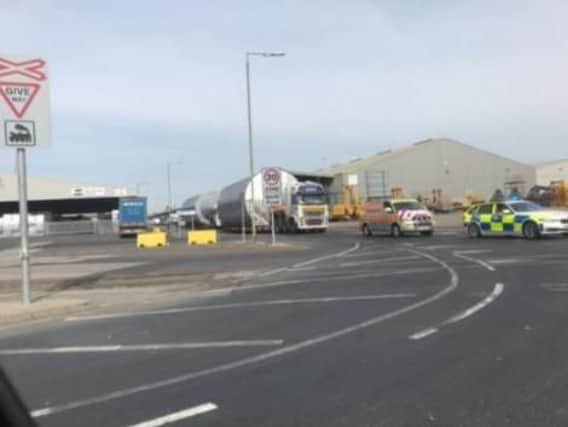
[21, 114]
[31, 68]
[270, 183]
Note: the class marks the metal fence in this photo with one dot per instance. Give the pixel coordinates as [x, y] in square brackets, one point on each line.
[62, 228]
[80, 227]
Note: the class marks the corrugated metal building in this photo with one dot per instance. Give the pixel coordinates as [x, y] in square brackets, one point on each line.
[548, 172]
[457, 169]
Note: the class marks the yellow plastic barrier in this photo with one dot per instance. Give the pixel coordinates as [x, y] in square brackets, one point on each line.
[151, 239]
[202, 237]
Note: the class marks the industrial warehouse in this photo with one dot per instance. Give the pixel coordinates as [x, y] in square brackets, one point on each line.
[442, 173]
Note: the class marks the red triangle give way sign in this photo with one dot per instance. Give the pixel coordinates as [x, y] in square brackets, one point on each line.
[18, 96]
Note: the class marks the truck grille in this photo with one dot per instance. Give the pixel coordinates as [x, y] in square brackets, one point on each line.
[313, 221]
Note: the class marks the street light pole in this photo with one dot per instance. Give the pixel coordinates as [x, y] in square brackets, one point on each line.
[169, 167]
[138, 186]
[251, 154]
[169, 176]
[250, 143]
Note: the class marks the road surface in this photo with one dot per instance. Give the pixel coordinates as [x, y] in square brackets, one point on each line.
[439, 331]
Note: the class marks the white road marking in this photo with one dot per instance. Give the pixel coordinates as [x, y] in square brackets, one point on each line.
[435, 247]
[497, 290]
[275, 271]
[474, 251]
[422, 334]
[460, 254]
[140, 347]
[245, 305]
[378, 261]
[508, 261]
[118, 394]
[308, 262]
[178, 416]
[373, 251]
[303, 268]
[326, 257]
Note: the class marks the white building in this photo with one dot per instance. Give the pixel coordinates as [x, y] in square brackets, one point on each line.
[457, 169]
[547, 172]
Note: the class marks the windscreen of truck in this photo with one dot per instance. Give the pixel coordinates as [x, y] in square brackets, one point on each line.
[311, 195]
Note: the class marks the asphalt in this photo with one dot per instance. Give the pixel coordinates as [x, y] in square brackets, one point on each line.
[440, 331]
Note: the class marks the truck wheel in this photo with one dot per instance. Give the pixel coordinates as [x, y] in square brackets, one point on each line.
[530, 230]
[292, 226]
[395, 230]
[473, 231]
[367, 231]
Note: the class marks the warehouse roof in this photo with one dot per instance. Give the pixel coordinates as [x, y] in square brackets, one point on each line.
[363, 163]
[551, 162]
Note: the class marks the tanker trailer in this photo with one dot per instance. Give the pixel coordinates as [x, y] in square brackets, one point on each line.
[303, 207]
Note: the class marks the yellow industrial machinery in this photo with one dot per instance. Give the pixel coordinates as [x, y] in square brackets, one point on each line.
[559, 193]
[464, 204]
[346, 205]
[555, 194]
[397, 193]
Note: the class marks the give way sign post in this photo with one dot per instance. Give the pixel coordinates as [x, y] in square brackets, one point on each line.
[24, 123]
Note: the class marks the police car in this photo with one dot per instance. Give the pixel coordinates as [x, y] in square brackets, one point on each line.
[514, 218]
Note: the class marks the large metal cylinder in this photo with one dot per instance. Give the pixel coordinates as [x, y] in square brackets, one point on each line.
[231, 199]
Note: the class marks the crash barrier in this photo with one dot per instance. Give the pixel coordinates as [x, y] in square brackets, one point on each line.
[152, 239]
[202, 237]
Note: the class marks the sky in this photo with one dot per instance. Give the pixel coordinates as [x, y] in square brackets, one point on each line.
[136, 84]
